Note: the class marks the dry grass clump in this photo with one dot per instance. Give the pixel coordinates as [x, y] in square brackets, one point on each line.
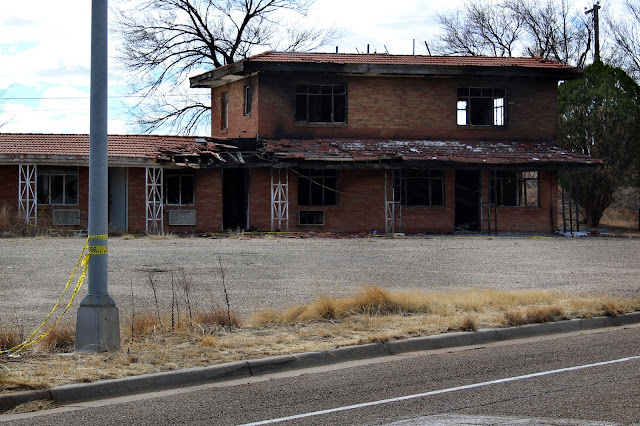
[161, 342]
[534, 315]
[373, 301]
[10, 337]
[218, 317]
[61, 338]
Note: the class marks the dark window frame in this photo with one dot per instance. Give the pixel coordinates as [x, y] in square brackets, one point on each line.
[224, 111]
[515, 188]
[481, 107]
[61, 185]
[180, 196]
[420, 187]
[248, 95]
[317, 187]
[321, 103]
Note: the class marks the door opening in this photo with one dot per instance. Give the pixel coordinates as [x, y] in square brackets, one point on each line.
[235, 197]
[468, 200]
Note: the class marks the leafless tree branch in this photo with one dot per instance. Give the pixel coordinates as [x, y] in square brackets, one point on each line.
[166, 41]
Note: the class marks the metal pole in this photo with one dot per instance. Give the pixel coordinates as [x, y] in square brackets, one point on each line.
[97, 327]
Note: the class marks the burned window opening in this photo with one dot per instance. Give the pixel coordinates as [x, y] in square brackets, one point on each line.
[321, 103]
[247, 100]
[317, 187]
[515, 189]
[420, 187]
[57, 185]
[179, 189]
[224, 111]
[481, 107]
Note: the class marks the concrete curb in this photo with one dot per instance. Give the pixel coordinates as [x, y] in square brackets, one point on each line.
[243, 369]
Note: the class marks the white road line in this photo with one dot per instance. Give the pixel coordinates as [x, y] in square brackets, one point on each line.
[441, 391]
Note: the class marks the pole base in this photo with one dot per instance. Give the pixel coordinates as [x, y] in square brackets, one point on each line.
[97, 329]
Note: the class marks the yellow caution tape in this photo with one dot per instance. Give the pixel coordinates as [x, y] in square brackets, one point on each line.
[82, 260]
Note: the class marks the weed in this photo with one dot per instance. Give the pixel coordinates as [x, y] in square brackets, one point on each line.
[61, 338]
[468, 323]
[218, 316]
[10, 337]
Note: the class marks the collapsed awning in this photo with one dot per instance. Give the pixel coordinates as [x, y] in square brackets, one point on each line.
[389, 152]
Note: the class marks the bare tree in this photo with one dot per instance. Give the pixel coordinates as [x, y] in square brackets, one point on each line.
[625, 35]
[480, 28]
[551, 29]
[166, 41]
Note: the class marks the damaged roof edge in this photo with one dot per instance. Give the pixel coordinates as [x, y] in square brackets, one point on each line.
[259, 63]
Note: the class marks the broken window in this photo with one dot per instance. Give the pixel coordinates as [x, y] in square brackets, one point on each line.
[321, 103]
[179, 189]
[224, 111]
[57, 185]
[515, 189]
[317, 187]
[311, 217]
[247, 100]
[420, 187]
[481, 106]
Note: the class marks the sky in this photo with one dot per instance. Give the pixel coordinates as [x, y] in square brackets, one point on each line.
[45, 56]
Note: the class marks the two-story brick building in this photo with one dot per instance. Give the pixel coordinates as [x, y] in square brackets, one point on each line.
[331, 142]
[396, 143]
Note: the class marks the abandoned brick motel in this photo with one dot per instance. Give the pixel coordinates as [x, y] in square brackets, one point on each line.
[326, 143]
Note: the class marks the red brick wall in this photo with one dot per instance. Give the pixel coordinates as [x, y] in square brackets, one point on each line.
[433, 219]
[137, 200]
[541, 219]
[239, 124]
[383, 107]
[360, 208]
[208, 203]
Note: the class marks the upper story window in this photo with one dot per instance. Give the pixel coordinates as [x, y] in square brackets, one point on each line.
[247, 100]
[321, 103]
[57, 185]
[224, 111]
[421, 187]
[317, 187]
[179, 189]
[481, 106]
[515, 189]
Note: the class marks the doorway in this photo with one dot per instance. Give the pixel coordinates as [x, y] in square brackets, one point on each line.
[118, 196]
[235, 198]
[468, 200]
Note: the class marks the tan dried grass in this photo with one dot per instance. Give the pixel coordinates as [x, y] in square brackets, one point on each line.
[370, 315]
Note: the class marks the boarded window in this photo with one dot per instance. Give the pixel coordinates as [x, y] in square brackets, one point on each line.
[515, 189]
[57, 185]
[317, 187]
[321, 103]
[481, 107]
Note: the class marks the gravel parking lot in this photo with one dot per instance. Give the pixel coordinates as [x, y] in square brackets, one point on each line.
[279, 271]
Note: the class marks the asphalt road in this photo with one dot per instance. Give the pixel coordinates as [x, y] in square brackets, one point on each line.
[278, 272]
[577, 379]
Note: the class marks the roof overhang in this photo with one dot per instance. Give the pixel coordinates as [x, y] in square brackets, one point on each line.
[238, 70]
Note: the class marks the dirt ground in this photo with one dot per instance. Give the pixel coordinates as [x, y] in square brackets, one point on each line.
[263, 272]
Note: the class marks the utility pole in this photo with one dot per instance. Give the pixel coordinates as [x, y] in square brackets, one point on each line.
[98, 325]
[596, 29]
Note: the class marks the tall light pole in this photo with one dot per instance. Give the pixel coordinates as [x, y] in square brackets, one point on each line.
[98, 325]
